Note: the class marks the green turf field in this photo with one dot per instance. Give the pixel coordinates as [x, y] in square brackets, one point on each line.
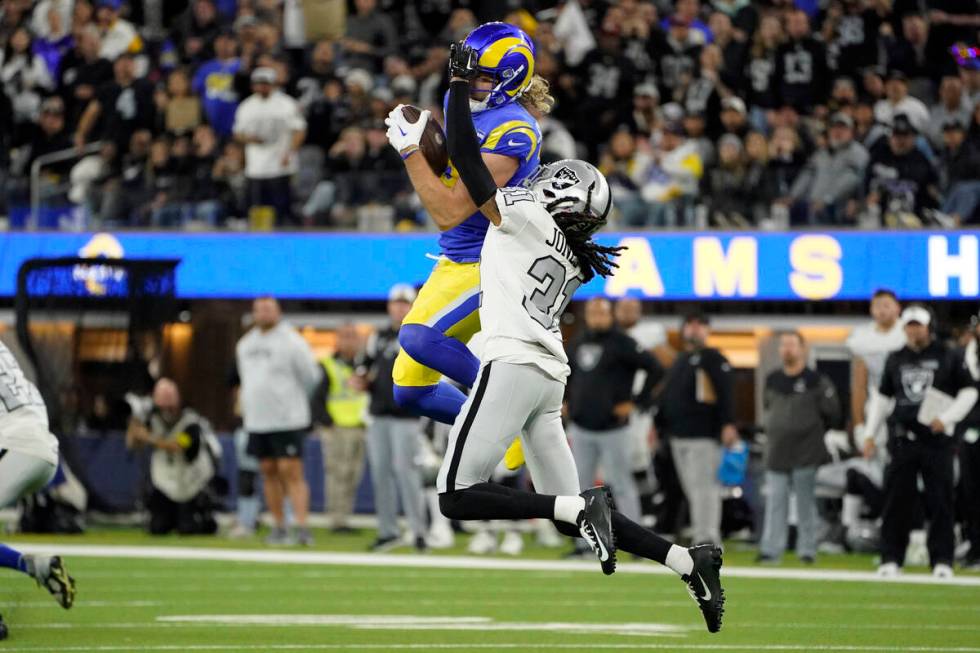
[132, 604]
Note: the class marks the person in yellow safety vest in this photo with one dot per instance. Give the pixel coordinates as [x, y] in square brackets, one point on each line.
[342, 404]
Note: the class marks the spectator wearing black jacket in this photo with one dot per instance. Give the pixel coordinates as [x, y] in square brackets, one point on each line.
[925, 449]
[900, 179]
[800, 406]
[392, 434]
[960, 172]
[604, 362]
[696, 409]
[801, 75]
[119, 108]
[82, 72]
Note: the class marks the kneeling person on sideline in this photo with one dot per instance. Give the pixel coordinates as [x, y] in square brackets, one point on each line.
[183, 463]
[537, 252]
[28, 462]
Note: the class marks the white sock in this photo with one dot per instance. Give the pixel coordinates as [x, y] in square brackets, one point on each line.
[851, 510]
[567, 509]
[679, 560]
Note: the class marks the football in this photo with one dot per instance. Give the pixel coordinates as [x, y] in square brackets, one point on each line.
[433, 143]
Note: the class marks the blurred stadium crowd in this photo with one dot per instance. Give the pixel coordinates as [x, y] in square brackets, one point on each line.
[705, 113]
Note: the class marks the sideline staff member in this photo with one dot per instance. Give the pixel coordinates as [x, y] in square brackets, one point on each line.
[923, 365]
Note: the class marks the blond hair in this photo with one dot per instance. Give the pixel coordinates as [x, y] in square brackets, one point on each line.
[536, 96]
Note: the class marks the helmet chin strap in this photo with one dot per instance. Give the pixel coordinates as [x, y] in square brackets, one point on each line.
[477, 107]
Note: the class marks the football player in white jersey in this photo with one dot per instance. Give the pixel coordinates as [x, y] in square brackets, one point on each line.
[537, 252]
[28, 461]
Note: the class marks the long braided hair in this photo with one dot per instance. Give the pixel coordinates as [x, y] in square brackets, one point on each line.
[578, 228]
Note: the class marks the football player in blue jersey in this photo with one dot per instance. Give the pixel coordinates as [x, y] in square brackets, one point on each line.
[445, 315]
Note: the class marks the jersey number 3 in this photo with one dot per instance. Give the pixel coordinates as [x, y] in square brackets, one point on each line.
[552, 285]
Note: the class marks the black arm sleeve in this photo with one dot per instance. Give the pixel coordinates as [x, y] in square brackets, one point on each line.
[464, 147]
[319, 402]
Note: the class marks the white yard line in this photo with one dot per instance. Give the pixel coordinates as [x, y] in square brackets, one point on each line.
[521, 646]
[459, 562]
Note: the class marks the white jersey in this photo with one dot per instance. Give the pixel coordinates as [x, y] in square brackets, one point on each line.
[23, 417]
[528, 275]
[873, 346]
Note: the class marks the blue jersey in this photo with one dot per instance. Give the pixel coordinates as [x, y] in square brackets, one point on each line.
[508, 130]
[215, 82]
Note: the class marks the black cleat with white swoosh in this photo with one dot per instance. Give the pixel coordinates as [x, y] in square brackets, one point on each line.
[595, 525]
[704, 584]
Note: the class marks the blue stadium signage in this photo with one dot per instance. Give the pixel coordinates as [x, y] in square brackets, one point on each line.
[677, 266]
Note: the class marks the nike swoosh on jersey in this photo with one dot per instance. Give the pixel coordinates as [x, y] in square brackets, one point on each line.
[514, 143]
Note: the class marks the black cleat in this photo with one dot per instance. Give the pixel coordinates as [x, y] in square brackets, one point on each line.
[595, 524]
[704, 584]
[3, 629]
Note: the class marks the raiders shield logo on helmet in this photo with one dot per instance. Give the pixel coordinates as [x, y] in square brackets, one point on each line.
[565, 178]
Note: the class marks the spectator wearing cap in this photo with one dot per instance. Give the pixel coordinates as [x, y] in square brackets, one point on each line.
[898, 101]
[920, 443]
[42, 137]
[843, 95]
[370, 37]
[214, 82]
[82, 72]
[118, 34]
[954, 104]
[119, 108]
[901, 182]
[832, 176]
[646, 100]
[392, 434]
[272, 128]
[671, 182]
[624, 165]
[734, 117]
[959, 173]
[801, 76]
[677, 53]
[696, 411]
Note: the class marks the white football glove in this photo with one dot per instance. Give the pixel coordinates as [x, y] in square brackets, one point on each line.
[403, 135]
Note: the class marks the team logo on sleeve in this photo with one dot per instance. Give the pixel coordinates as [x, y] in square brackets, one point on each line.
[915, 382]
[565, 178]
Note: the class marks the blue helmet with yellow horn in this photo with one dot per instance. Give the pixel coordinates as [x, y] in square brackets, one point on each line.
[505, 53]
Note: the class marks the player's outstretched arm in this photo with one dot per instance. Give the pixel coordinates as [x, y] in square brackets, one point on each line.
[447, 206]
[461, 139]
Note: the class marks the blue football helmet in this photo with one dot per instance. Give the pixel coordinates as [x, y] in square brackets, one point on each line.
[506, 54]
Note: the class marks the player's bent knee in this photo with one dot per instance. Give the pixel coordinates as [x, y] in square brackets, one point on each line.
[409, 396]
[453, 504]
[416, 338]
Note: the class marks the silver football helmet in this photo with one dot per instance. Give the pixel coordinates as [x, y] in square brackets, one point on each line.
[573, 186]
